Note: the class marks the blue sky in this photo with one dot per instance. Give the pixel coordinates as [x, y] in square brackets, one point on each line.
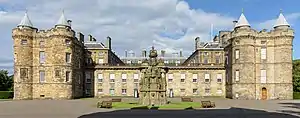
[255, 11]
[170, 25]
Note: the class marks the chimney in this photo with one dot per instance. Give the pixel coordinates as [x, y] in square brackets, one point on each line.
[234, 23]
[125, 53]
[69, 22]
[80, 36]
[163, 53]
[144, 53]
[197, 40]
[180, 53]
[108, 43]
[90, 38]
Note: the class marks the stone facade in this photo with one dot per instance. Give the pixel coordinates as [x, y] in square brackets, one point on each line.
[239, 64]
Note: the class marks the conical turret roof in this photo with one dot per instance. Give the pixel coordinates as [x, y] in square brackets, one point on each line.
[26, 21]
[242, 21]
[281, 21]
[62, 21]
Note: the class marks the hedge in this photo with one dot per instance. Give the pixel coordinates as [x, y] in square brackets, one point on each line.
[6, 94]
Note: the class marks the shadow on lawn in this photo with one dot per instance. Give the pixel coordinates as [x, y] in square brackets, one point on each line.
[203, 113]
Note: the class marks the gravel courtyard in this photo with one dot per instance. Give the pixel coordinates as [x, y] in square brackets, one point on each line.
[86, 109]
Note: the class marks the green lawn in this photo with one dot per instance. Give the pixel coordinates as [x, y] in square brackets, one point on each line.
[296, 95]
[181, 105]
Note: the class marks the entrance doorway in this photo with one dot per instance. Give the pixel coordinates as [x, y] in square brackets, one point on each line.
[264, 94]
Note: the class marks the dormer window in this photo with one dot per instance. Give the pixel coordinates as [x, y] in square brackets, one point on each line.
[68, 42]
[23, 42]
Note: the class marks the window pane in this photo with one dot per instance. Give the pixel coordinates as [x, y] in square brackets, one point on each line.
[42, 76]
[42, 57]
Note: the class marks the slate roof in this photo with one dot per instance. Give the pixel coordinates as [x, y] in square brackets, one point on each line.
[281, 21]
[94, 45]
[242, 21]
[26, 21]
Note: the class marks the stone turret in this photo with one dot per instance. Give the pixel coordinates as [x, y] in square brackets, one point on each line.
[23, 37]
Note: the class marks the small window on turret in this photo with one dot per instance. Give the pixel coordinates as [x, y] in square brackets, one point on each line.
[23, 42]
[68, 42]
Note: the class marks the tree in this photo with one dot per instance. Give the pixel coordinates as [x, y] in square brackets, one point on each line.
[6, 82]
[296, 75]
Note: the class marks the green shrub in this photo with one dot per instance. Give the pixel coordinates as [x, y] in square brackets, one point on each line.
[296, 95]
[6, 94]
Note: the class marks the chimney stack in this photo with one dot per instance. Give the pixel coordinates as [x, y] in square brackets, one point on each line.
[234, 23]
[70, 22]
[163, 53]
[144, 53]
[126, 53]
[108, 43]
[80, 36]
[90, 38]
[197, 40]
[180, 53]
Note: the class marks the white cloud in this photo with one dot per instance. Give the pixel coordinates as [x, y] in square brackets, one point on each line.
[132, 24]
[291, 18]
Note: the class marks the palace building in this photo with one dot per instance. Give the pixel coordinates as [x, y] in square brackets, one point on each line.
[240, 64]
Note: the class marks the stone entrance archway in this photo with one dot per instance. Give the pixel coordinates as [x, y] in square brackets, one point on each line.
[264, 93]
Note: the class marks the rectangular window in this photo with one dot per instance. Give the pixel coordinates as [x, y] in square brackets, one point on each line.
[182, 76]
[136, 76]
[182, 90]
[194, 80]
[68, 41]
[112, 91]
[205, 61]
[263, 76]
[23, 72]
[68, 57]
[124, 91]
[112, 77]
[68, 74]
[206, 77]
[57, 73]
[182, 80]
[166, 61]
[100, 78]
[263, 53]
[217, 60]
[219, 78]
[194, 91]
[88, 77]
[100, 90]
[226, 59]
[135, 80]
[100, 61]
[42, 76]
[207, 90]
[170, 77]
[42, 57]
[237, 54]
[23, 42]
[195, 76]
[237, 75]
[219, 90]
[124, 76]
